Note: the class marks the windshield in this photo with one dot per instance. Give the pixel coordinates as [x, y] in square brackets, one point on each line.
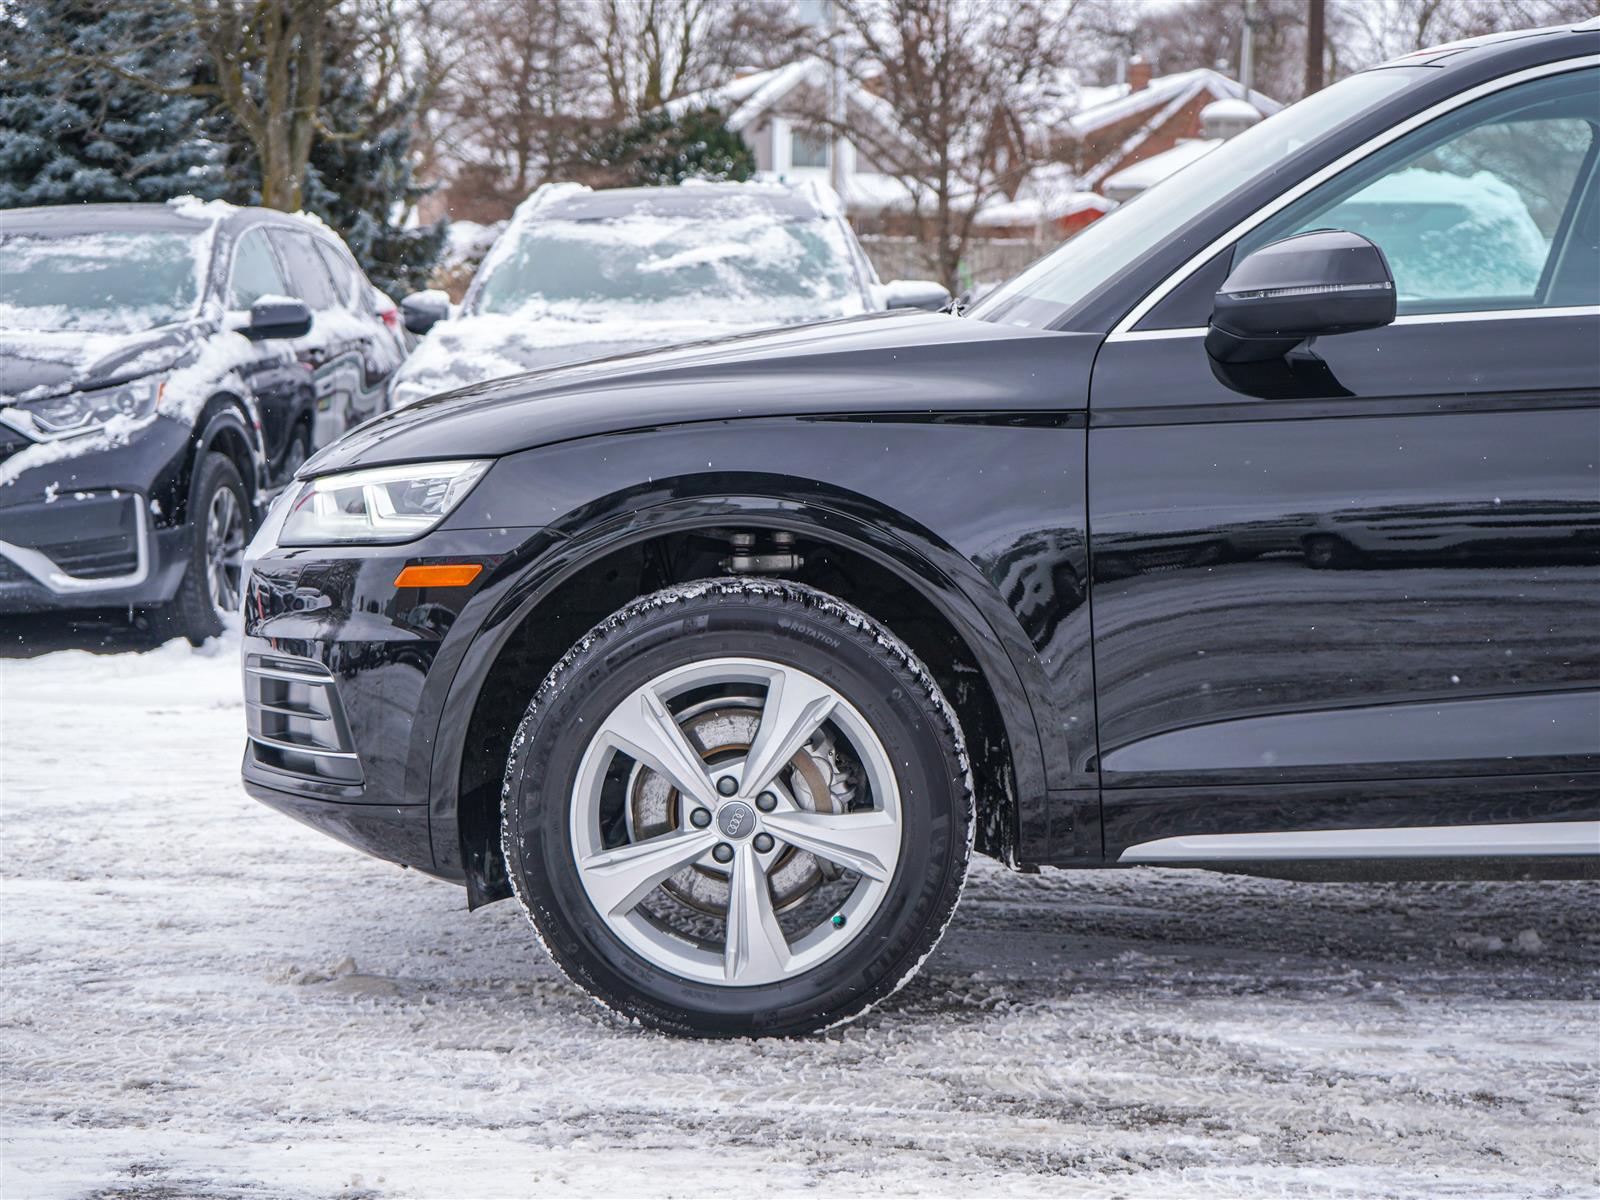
[1058, 283]
[736, 262]
[115, 282]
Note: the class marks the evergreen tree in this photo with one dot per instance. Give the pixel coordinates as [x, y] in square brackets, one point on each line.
[74, 128]
[660, 149]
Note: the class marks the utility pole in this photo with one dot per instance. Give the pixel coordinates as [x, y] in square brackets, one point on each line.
[836, 102]
[1316, 34]
[1247, 49]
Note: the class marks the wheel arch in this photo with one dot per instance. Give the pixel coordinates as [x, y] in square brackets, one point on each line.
[226, 426]
[904, 578]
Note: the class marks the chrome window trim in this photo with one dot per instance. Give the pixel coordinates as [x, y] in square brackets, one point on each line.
[1257, 217]
[1519, 840]
[1448, 318]
[44, 570]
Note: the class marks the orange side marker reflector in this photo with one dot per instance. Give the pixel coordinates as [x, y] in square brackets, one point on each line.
[439, 575]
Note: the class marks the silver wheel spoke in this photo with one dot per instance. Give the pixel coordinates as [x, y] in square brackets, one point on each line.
[618, 879]
[795, 709]
[866, 843]
[755, 947]
[224, 550]
[642, 728]
[708, 723]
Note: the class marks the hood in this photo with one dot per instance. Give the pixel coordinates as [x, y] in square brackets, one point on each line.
[896, 362]
[34, 364]
[477, 348]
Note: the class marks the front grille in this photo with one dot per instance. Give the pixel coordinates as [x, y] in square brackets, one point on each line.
[11, 573]
[96, 558]
[295, 723]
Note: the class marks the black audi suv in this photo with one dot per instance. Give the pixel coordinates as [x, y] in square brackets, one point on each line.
[1256, 529]
[163, 368]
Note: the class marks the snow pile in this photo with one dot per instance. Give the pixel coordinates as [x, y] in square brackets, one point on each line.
[467, 242]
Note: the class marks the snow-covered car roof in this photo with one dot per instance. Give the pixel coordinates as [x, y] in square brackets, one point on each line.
[186, 214]
[573, 201]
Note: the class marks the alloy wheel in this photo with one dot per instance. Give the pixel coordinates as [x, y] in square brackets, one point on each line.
[735, 822]
[224, 550]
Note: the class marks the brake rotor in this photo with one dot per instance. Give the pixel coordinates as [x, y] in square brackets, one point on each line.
[720, 730]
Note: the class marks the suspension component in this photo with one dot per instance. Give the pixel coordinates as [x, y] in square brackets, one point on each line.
[749, 557]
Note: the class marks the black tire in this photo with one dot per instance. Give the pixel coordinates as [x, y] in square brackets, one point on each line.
[192, 613]
[799, 628]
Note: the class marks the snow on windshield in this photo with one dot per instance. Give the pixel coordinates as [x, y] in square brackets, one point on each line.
[734, 261]
[108, 282]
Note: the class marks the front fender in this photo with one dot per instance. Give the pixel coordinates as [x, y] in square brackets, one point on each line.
[581, 537]
[226, 423]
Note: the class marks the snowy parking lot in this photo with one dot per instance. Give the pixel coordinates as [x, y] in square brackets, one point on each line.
[204, 999]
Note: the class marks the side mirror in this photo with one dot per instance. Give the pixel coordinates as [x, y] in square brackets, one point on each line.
[421, 311]
[915, 293]
[277, 317]
[1326, 281]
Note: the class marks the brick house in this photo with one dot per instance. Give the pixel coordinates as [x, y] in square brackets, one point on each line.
[1117, 126]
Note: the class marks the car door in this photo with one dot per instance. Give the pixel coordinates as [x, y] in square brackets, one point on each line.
[379, 346]
[281, 389]
[329, 351]
[1357, 587]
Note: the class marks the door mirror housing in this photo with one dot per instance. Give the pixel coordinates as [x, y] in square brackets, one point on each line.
[915, 293]
[1324, 282]
[277, 317]
[421, 311]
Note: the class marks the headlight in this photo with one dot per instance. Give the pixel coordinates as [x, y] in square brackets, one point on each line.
[384, 504]
[84, 412]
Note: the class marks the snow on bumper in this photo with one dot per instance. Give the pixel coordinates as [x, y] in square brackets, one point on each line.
[84, 522]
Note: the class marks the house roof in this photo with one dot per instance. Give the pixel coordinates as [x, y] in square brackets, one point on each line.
[1099, 107]
[744, 99]
[1048, 194]
[1148, 172]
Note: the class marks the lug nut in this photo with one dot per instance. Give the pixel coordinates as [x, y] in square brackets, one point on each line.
[722, 852]
[767, 801]
[762, 842]
[700, 818]
[727, 785]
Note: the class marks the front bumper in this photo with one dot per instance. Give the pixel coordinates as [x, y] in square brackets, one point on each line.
[343, 683]
[89, 526]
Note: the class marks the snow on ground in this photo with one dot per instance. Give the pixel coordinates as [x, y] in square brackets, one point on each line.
[204, 999]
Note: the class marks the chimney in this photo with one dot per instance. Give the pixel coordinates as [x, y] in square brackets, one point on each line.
[1138, 74]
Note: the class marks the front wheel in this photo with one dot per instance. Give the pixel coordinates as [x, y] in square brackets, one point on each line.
[738, 808]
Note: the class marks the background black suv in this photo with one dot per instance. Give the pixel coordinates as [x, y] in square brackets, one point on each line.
[163, 367]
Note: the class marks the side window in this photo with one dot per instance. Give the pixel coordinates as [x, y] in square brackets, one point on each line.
[1478, 210]
[255, 272]
[342, 273]
[307, 275]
